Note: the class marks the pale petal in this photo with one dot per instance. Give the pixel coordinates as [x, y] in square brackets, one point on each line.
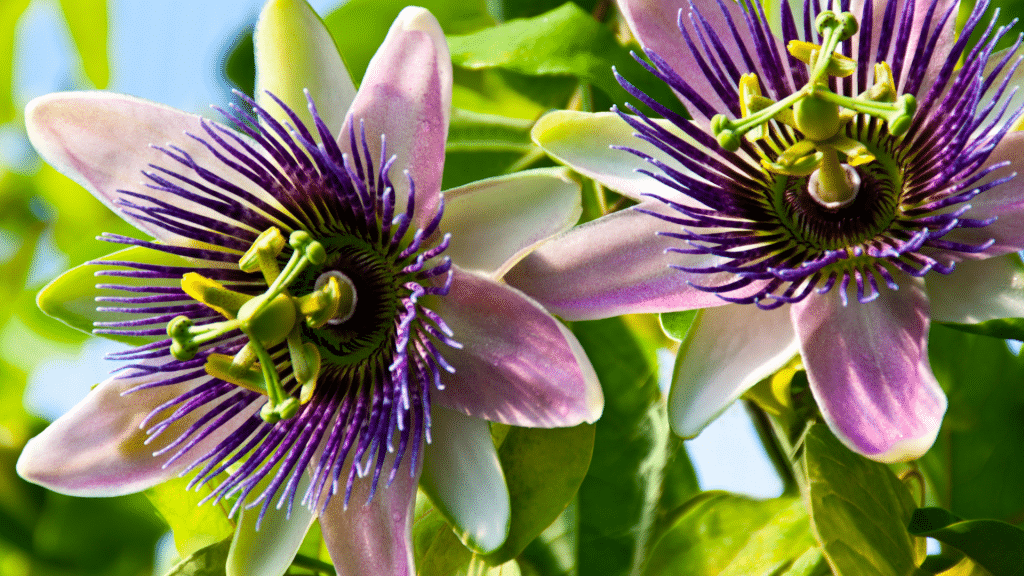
[103, 142]
[373, 538]
[583, 140]
[463, 477]
[727, 350]
[978, 290]
[98, 449]
[518, 364]
[406, 95]
[1004, 202]
[494, 223]
[615, 265]
[268, 550]
[294, 51]
[868, 370]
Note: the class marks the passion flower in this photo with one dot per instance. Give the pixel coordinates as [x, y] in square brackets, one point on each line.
[848, 178]
[320, 328]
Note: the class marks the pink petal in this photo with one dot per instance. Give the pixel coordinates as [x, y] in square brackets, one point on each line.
[869, 372]
[614, 265]
[518, 364]
[103, 142]
[978, 290]
[463, 477]
[375, 538]
[98, 449]
[495, 222]
[1004, 202]
[654, 23]
[728, 350]
[406, 95]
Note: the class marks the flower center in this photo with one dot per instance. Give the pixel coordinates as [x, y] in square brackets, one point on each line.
[820, 115]
[267, 320]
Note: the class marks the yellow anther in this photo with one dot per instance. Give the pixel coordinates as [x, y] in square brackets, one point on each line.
[838, 65]
[214, 294]
[884, 88]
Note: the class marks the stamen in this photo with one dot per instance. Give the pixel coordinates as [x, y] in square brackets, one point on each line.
[267, 320]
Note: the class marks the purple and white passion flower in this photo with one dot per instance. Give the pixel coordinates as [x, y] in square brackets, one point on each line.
[843, 181]
[321, 328]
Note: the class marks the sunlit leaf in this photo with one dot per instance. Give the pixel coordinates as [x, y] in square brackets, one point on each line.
[994, 545]
[10, 11]
[87, 21]
[633, 448]
[722, 534]
[859, 510]
[195, 525]
[209, 561]
[677, 324]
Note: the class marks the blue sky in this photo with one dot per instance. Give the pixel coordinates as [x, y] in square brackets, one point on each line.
[171, 52]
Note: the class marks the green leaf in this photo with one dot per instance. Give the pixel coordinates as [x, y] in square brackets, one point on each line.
[566, 41]
[722, 534]
[677, 324]
[209, 561]
[10, 12]
[509, 9]
[634, 454]
[1005, 328]
[975, 465]
[859, 510]
[996, 546]
[438, 551]
[543, 470]
[71, 298]
[87, 21]
[194, 525]
[240, 62]
[373, 18]
[474, 131]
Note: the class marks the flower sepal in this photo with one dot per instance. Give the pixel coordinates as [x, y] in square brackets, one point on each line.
[77, 296]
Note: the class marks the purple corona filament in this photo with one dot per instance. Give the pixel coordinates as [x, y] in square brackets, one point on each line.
[372, 395]
[764, 227]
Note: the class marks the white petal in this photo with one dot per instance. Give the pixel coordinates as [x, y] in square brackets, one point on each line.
[727, 350]
[463, 477]
[978, 290]
[270, 549]
[495, 222]
[583, 141]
